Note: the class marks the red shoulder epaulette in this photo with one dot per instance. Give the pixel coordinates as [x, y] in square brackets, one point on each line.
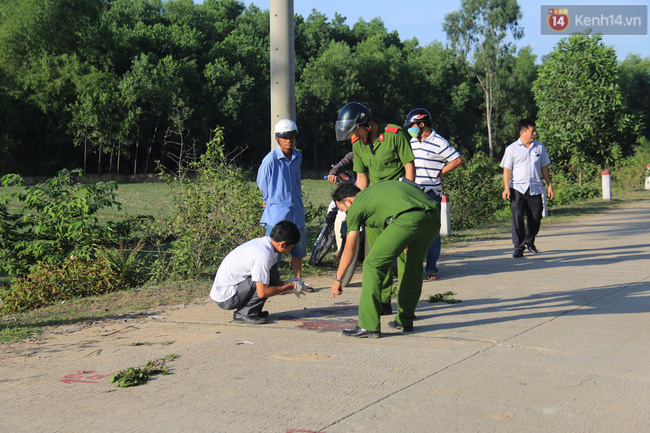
[392, 129]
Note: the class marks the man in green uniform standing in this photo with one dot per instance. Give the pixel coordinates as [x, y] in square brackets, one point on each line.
[410, 223]
[381, 152]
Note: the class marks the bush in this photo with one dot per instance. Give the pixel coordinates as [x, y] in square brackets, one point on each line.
[630, 173]
[567, 191]
[213, 213]
[55, 220]
[474, 190]
[76, 277]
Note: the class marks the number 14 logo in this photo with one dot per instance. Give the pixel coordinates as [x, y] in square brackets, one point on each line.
[558, 19]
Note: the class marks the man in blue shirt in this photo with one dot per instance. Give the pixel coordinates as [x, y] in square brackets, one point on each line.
[524, 164]
[278, 179]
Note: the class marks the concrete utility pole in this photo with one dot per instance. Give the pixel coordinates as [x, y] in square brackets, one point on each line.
[283, 66]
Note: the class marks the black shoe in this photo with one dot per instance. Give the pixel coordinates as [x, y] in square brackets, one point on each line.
[250, 320]
[263, 314]
[531, 247]
[386, 310]
[361, 333]
[518, 253]
[399, 327]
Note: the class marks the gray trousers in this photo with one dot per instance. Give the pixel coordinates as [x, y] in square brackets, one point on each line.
[245, 301]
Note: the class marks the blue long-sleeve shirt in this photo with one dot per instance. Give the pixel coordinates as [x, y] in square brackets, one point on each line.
[278, 179]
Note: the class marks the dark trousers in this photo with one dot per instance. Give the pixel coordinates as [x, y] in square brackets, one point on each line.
[245, 301]
[433, 254]
[525, 207]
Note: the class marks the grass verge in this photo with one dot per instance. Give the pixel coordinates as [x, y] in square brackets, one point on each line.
[29, 324]
[558, 214]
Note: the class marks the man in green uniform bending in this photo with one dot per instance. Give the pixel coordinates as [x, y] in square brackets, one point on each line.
[381, 152]
[410, 223]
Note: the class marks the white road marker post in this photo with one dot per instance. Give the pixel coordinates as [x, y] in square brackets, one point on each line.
[445, 217]
[607, 185]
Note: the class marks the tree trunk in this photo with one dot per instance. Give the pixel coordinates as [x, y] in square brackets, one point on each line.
[153, 139]
[85, 153]
[135, 156]
[99, 160]
[110, 160]
[488, 118]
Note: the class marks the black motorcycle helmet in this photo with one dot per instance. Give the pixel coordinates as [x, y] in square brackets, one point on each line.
[416, 116]
[351, 116]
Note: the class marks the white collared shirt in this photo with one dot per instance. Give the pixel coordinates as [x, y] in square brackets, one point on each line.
[252, 259]
[526, 164]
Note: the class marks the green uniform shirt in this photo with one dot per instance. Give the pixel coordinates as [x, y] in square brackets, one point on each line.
[376, 204]
[392, 150]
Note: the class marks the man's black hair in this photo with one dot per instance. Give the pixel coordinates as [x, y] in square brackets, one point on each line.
[285, 231]
[344, 191]
[524, 124]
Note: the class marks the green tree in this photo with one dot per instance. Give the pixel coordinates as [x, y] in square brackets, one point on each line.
[312, 36]
[634, 81]
[95, 123]
[44, 46]
[381, 68]
[150, 90]
[237, 85]
[478, 31]
[328, 82]
[580, 106]
[514, 99]
[446, 88]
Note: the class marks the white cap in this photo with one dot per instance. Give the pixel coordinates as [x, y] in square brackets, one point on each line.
[285, 127]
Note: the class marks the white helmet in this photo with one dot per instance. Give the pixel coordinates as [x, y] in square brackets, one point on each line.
[285, 128]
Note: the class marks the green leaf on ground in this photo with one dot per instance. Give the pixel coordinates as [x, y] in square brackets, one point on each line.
[446, 297]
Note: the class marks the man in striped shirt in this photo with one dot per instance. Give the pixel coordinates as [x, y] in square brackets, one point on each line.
[434, 157]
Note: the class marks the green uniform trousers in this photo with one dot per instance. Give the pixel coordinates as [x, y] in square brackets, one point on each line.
[385, 286]
[415, 230]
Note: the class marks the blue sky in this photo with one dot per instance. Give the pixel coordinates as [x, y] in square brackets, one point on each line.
[424, 19]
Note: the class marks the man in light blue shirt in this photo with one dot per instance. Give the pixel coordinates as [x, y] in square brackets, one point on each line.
[524, 164]
[278, 179]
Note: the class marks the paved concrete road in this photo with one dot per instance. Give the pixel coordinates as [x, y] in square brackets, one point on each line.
[555, 342]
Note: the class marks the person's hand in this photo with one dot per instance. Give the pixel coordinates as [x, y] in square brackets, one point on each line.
[331, 178]
[337, 288]
[263, 204]
[506, 194]
[298, 287]
[550, 192]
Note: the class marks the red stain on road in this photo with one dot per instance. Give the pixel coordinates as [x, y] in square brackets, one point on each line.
[326, 325]
[84, 377]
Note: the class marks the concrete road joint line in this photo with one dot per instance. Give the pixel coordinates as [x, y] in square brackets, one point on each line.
[574, 309]
[546, 349]
[404, 388]
[461, 361]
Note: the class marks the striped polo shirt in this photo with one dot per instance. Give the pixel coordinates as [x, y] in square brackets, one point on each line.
[431, 155]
